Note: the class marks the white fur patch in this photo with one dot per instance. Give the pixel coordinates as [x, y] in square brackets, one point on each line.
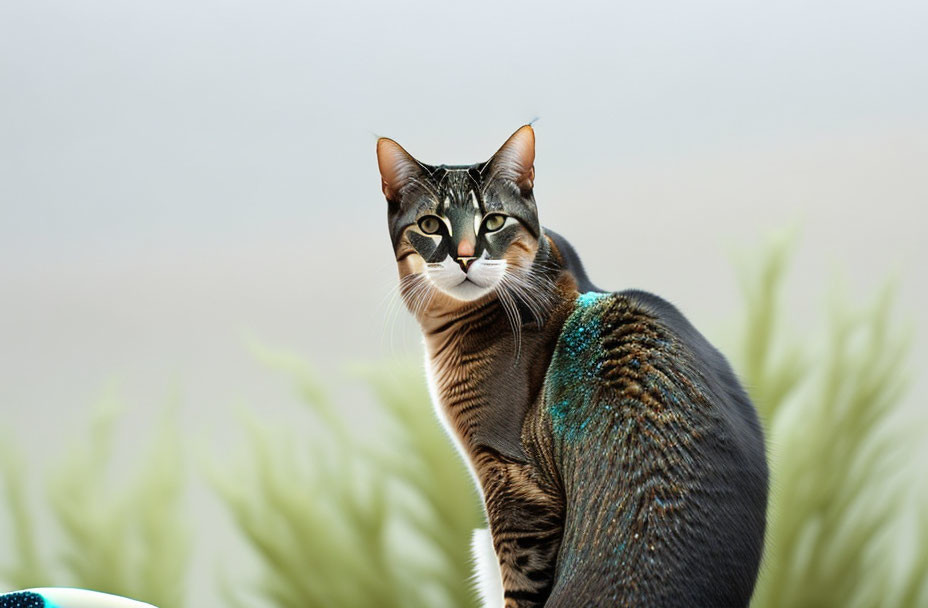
[487, 574]
[478, 281]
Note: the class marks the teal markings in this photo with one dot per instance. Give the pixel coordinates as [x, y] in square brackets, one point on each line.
[574, 371]
[590, 297]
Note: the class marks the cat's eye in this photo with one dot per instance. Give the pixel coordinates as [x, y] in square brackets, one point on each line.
[430, 224]
[494, 222]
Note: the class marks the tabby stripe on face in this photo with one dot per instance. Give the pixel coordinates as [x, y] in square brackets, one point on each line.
[406, 254]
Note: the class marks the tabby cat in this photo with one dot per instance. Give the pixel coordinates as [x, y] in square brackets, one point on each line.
[619, 460]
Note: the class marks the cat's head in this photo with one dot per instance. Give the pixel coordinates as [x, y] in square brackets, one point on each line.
[462, 233]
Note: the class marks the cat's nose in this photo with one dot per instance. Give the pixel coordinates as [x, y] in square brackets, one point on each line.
[465, 249]
[465, 255]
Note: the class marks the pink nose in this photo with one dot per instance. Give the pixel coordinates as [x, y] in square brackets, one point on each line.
[465, 249]
[465, 255]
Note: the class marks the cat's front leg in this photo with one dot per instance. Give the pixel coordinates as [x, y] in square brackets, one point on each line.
[526, 525]
[527, 563]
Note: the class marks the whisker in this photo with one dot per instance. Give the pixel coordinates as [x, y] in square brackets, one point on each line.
[395, 296]
[421, 298]
[525, 296]
[512, 314]
[391, 299]
[535, 292]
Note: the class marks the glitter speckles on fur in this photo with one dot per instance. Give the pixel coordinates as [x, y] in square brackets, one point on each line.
[574, 371]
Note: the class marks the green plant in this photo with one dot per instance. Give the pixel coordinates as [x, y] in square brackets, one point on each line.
[130, 540]
[28, 570]
[833, 450]
[340, 519]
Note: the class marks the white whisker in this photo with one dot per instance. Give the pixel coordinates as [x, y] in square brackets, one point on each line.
[512, 314]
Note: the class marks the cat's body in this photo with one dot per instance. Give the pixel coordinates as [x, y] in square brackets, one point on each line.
[619, 459]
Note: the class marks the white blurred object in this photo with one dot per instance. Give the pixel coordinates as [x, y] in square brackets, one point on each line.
[64, 597]
[487, 575]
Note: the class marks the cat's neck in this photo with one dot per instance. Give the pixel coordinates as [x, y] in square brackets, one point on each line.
[485, 372]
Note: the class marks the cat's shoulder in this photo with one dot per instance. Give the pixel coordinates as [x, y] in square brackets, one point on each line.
[603, 314]
[629, 303]
[613, 345]
[614, 312]
[636, 319]
[610, 334]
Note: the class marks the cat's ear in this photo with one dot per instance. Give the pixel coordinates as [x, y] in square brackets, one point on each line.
[515, 160]
[397, 167]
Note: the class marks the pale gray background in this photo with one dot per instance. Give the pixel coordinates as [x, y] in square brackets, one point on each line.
[179, 178]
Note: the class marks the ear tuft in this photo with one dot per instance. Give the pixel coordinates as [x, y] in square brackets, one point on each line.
[515, 160]
[396, 167]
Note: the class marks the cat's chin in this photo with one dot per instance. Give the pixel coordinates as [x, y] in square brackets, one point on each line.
[467, 291]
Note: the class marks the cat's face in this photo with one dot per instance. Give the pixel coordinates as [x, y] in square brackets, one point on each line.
[462, 233]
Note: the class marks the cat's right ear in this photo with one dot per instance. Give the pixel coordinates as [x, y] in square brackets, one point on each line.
[397, 167]
[516, 159]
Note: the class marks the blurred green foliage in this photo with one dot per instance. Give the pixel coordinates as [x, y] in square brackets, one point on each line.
[837, 457]
[340, 519]
[339, 516]
[128, 538]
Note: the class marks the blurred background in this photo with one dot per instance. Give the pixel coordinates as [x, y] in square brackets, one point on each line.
[200, 346]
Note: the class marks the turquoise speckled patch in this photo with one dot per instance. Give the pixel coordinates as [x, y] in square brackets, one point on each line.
[573, 373]
[589, 298]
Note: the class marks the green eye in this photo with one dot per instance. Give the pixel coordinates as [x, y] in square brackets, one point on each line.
[430, 224]
[494, 222]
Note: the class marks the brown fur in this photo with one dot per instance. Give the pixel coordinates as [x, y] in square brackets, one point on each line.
[472, 353]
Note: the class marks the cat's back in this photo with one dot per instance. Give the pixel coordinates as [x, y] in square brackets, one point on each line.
[661, 456]
[719, 380]
[636, 346]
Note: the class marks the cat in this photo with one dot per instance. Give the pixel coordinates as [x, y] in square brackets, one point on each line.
[619, 460]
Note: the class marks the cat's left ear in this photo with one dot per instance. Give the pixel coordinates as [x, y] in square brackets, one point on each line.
[397, 167]
[515, 160]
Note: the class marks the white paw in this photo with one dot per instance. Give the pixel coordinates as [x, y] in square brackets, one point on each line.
[487, 575]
